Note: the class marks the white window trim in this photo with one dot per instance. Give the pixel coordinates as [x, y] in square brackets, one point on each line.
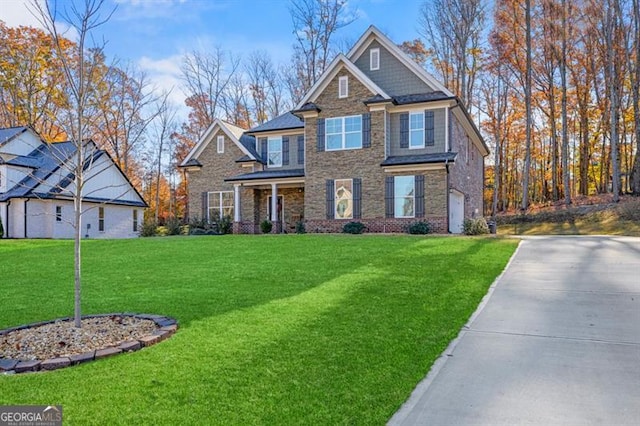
[423, 130]
[344, 134]
[269, 151]
[220, 206]
[220, 142]
[335, 199]
[396, 197]
[373, 66]
[345, 79]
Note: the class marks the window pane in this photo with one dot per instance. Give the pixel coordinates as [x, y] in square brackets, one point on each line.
[333, 125]
[417, 121]
[275, 151]
[416, 138]
[344, 199]
[227, 199]
[353, 124]
[404, 187]
[334, 141]
[353, 140]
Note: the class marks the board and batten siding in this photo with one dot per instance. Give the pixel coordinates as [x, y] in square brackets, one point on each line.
[439, 131]
[393, 76]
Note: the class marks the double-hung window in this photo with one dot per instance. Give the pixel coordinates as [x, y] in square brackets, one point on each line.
[416, 130]
[343, 198]
[135, 220]
[343, 133]
[274, 151]
[220, 204]
[404, 196]
[58, 213]
[101, 219]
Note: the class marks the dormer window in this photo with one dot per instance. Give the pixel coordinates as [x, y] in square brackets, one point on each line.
[220, 141]
[343, 86]
[374, 59]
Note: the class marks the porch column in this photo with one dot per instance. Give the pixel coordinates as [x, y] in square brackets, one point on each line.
[274, 202]
[236, 202]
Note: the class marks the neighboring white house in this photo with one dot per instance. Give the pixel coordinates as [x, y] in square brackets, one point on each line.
[36, 187]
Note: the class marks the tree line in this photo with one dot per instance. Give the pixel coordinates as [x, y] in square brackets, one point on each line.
[552, 84]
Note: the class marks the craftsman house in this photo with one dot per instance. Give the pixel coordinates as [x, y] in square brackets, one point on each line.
[376, 140]
[36, 190]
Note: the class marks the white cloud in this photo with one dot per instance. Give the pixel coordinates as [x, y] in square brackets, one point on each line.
[15, 13]
[165, 74]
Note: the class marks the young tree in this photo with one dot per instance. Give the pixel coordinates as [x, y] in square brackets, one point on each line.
[80, 80]
[527, 101]
[565, 124]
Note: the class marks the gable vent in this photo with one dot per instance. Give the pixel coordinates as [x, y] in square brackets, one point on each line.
[343, 86]
[374, 59]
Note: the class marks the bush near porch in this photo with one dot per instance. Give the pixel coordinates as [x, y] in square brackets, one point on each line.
[296, 329]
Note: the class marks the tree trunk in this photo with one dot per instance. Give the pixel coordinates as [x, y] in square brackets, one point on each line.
[527, 100]
[635, 90]
[565, 136]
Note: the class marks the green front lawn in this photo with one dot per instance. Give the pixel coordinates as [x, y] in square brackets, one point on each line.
[297, 329]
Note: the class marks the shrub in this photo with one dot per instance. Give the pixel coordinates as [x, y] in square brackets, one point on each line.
[421, 227]
[629, 210]
[266, 226]
[475, 226]
[300, 227]
[173, 226]
[224, 225]
[353, 228]
[149, 228]
[1, 229]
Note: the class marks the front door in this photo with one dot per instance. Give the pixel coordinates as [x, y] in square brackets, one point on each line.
[456, 212]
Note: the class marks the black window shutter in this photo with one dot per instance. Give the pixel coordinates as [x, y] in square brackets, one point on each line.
[205, 202]
[357, 198]
[404, 130]
[263, 148]
[301, 149]
[429, 139]
[388, 196]
[366, 130]
[330, 199]
[285, 150]
[320, 134]
[419, 194]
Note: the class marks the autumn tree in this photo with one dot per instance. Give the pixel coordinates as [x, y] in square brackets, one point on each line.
[315, 23]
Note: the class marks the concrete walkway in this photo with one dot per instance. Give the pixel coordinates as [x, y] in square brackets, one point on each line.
[557, 341]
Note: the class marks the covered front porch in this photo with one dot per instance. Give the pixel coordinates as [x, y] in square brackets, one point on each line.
[274, 196]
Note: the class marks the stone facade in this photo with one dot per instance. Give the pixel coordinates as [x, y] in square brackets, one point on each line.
[216, 168]
[467, 173]
[305, 197]
[361, 163]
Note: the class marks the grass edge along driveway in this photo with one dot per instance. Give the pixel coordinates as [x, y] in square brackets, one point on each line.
[297, 329]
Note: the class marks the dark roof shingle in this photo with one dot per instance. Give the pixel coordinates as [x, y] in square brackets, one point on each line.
[400, 160]
[268, 174]
[281, 122]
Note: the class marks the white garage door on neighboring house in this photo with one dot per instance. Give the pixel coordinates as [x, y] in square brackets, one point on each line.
[456, 211]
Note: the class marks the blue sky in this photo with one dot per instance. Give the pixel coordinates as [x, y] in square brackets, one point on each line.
[154, 34]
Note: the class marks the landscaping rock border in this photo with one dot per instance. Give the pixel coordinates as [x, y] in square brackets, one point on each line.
[167, 326]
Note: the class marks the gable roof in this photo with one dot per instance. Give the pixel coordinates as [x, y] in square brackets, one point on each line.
[235, 133]
[48, 159]
[331, 71]
[284, 121]
[374, 33]
[9, 133]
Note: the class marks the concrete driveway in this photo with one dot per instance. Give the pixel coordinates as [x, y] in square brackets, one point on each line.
[556, 341]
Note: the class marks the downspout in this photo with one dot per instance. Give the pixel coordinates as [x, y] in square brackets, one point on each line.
[26, 201]
[6, 216]
[446, 166]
